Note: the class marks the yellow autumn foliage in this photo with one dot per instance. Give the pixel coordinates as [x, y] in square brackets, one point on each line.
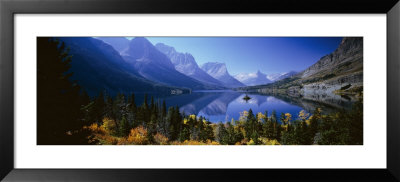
[95, 128]
[100, 134]
[308, 121]
[109, 125]
[267, 141]
[260, 117]
[244, 141]
[243, 116]
[160, 139]
[251, 142]
[264, 141]
[109, 140]
[288, 117]
[138, 136]
[209, 142]
[303, 115]
[187, 142]
[194, 142]
[192, 116]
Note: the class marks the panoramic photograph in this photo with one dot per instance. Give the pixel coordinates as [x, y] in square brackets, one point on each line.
[199, 90]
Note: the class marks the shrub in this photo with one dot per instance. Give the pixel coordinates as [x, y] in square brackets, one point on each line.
[160, 139]
[95, 128]
[209, 142]
[267, 141]
[109, 126]
[251, 142]
[138, 136]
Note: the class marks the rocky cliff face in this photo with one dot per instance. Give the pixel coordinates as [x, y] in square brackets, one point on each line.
[186, 64]
[341, 83]
[338, 72]
[220, 72]
[350, 50]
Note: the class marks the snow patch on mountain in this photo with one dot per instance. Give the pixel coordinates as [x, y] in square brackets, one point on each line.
[251, 79]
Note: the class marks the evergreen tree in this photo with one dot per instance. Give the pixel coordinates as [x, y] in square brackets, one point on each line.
[145, 104]
[356, 124]
[124, 127]
[209, 131]
[202, 129]
[84, 99]
[152, 104]
[173, 129]
[59, 104]
[268, 127]
[89, 116]
[164, 109]
[273, 116]
[146, 110]
[222, 135]
[251, 126]
[231, 137]
[277, 130]
[184, 134]
[118, 107]
[99, 108]
[108, 111]
[283, 119]
[314, 123]
[266, 116]
[132, 103]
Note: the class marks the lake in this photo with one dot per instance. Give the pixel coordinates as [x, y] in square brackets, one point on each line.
[223, 105]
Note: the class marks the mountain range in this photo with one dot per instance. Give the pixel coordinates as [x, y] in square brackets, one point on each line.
[251, 79]
[259, 78]
[152, 64]
[117, 64]
[97, 66]
[186, 64]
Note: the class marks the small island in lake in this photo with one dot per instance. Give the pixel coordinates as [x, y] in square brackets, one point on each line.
[246, 98]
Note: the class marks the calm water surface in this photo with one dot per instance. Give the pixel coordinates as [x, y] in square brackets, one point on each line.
[224, 105]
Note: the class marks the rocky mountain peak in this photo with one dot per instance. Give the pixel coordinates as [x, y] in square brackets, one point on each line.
[142, 50]
[165, 48]
[349, 50]
[220, 72]
[186, 64]
[215, 67]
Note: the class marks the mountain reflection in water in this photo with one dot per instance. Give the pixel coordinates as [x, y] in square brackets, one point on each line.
[224, 105]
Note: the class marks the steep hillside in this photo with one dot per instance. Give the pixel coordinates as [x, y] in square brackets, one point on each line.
[118, 43]
[339, 73]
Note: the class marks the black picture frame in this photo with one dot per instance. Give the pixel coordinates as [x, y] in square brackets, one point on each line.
[9, 8]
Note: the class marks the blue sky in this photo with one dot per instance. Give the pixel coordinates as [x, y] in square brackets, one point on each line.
[249, 54]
